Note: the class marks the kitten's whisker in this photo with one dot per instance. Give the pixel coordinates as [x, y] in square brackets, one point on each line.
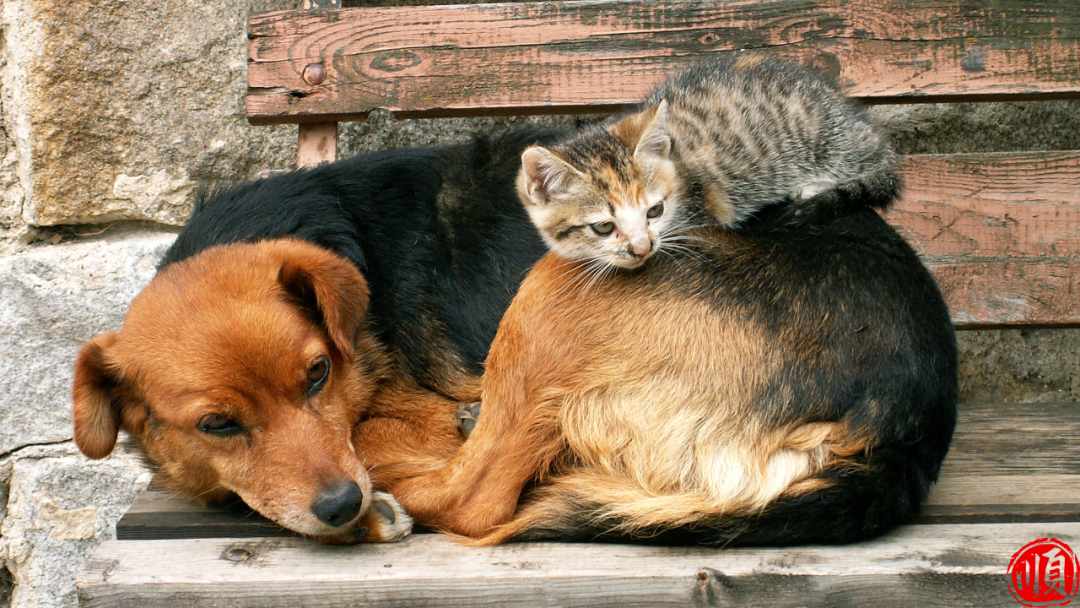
[688, 238]
[688, 251]
[683, 228]
[585, 269]
[689, 231]
[674, 258]
[571, 266]
[598, 270]
[600, 275]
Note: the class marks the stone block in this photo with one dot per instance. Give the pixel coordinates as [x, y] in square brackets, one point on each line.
[60, 507]
[953, 128]
[118, 109]
[1026, 365]
[11, 194]
[382, 131]
[51, 300]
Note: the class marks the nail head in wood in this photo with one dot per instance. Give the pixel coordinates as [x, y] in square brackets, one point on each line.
[237, 554]
[314, 74]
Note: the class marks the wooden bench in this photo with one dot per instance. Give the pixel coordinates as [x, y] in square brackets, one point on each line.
[1001, 232]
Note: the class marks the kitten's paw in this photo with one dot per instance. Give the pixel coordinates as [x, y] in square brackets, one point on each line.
[466, 416]
[385, 521]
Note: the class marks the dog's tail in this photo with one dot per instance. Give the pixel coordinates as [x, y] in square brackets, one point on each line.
[853, 501]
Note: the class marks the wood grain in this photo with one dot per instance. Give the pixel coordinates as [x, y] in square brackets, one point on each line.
[949, 565]
[527, 58]
[1026, 440]
[1000, 232]
[1009, 462]
[158, 513]
[317, 144]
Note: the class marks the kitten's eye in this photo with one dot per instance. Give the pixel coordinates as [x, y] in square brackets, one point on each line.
[216, 424]
[317, 374]
[603, 228]
[655, 211]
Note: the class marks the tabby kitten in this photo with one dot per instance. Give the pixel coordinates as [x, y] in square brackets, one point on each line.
[718, 143]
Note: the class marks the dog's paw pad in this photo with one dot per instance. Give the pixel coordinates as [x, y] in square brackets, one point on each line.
[466, 416]
[386, 520]
[385, 509]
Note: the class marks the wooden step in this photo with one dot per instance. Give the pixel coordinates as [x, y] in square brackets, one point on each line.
[947, 565]
[1009, 462]
[1011, 477]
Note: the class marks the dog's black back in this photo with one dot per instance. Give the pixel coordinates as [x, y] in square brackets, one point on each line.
[439, 234]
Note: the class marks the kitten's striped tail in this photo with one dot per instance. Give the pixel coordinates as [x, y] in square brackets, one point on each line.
[877, 191]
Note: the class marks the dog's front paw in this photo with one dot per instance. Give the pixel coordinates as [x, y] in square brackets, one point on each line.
[385, 521]
[466, 416]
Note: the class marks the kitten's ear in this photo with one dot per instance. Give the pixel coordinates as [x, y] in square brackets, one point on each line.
[543, 175]
[654, 142]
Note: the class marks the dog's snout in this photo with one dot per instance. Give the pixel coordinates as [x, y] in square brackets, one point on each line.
[338, 504]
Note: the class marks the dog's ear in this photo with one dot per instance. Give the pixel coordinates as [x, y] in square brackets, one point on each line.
[97, 416]
[332, 291]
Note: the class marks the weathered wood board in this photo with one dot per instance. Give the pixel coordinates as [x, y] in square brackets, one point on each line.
[1000, 232]
[529, 58]
[1009, 462]
[948, 565]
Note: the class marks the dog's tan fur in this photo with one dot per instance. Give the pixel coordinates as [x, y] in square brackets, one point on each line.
[625, 397]
[233, 332]
[651, 401]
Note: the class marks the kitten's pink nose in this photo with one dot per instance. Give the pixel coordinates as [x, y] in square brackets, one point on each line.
[641, 245]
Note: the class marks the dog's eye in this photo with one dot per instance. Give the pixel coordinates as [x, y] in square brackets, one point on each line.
[216, 424]
[603, 228]
[655, 211]
[317, 374]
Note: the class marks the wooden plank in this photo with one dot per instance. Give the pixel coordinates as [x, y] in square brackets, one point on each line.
[542, 57]
[998, 514]
[974, 490]
[317, 144]
[158, 513]
[951, 565]
[316, 141]
[1016, 439]
[1009, 462]
[1000, 232]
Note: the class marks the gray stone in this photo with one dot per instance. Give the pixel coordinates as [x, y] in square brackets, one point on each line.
[7, 581]
[382, 131]
[7, 584]
[981, 127]
[1020, 365]
[11, 194]
[51, 300]
[60, 507]
[118, 109]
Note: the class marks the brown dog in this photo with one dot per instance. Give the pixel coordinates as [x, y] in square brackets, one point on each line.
[229, 382]
[777, 385]
[308, 337]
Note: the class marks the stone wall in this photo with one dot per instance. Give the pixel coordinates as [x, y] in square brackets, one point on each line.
[112, 112]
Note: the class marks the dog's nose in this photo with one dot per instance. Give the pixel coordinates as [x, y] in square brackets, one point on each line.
[338, 504]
